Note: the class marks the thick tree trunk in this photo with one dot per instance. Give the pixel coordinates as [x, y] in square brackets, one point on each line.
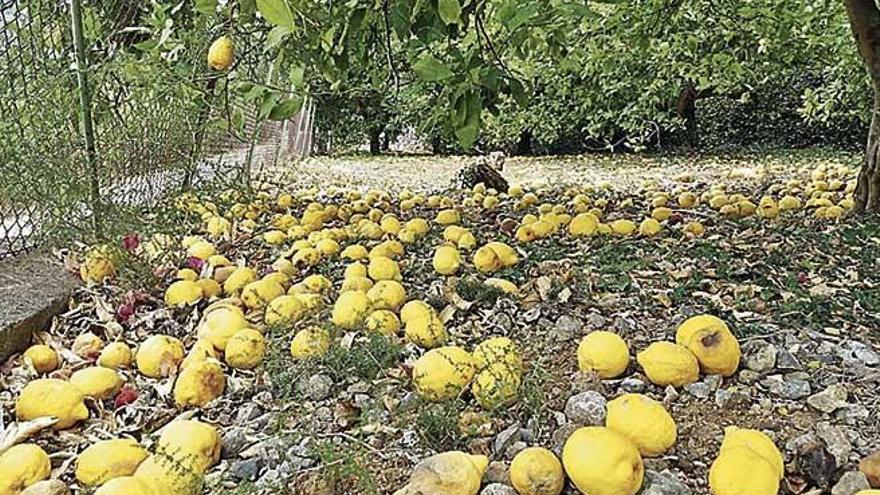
[436, 145]
[864, 18]
[524, 146]
[375, 143]
[686, 109]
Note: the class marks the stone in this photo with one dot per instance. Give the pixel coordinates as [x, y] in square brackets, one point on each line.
[760, 356]
[836, 442]
[586, 408]
[234, 442]
[632, 385]
[699, 390]
[791, 388]
[785, 360]
[829, 400]
[248, 412]
[670, 395]
[560, 436]
[270, 479]
[566, 328]
[663, 483]
[497, 489]
[850, 484]
[515, 449]
[713, 381]
[318, 387]
[497, 472]
[595, 321]
[246, 470]
[749, 377]
[506, 438]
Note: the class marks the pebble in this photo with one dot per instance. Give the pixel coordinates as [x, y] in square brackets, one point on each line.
[699, 390]
[248, 412]
[632, 385]
[507, 438]
[561, 435]
[497, 472]
[670, 395]
[785, 360]
[748, 377]
[234, 441]
[595, 321]
[515, 449]
[318, 387]
[663, 483]
[760, 356]
[829, 400]
[497, 489]
[713, 381]
[503, 321]
[586, 408]
[850, 484]
[836, 442]
[791, 388]
[246, 470]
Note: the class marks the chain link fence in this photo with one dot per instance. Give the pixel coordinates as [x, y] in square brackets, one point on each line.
[105, 109]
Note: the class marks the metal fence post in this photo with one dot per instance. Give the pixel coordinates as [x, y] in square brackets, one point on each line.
[86, 110]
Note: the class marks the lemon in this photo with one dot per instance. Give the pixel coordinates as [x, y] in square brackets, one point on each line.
[758, 442]
[238, 279]
[506, 254]
[601, 461]
[537, 471]
[448, 217]
[21, 466]
[256, 295]
[159, 356]
[467, 241]
[201, 250]
[666, 363]
[98, 265]
[694, 228]
[199, 384]
[220, 322]
[383, 321]
[127, 485]
[583, 225]
[443, 373]
[604, 353]
[284, 310]
[415, 309]
[317, 284]
[108, 459]
[43, 358]
[354, 252]
[351, 309]
[245, 349]
[505, 286]
[221, 54]
[183, 293]
[426, 330]
[200, 351]
[687, 200]
[497, 350]
[185, 450]
[51, 397]
[623, 227]
[650, 227]
[386, 294]
[356, 269]
[741, 471]
[447, 473]
[486, 260]
[661, 214]
[788, 203]
[497, 385]
[383, 268]
[97, 382]
[711, 341]
[644, 421]
[446, 260]
[310, 342]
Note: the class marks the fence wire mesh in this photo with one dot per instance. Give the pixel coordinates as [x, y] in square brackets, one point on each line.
[152, 101]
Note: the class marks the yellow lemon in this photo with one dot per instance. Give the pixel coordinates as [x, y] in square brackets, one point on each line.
[644, 421]
[221, 54]
[537, 471]
[21, 466]
[310, 342]
[446, 260]
[426, 330]
[97, 382]
[386, 294]
[245, 349]
[666, 363]
[758, 442]
[43, 358]
[443, 373]
[712, 343]
[159, 356]
[108, 459]
[740, 471]
[497, 385]
[51, 397]
[350, 309]
[601, 461]
[605, 353]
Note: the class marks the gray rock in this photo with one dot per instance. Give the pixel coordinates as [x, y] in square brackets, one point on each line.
[790, 388]
[867, 356]
[632, 385]
[497, 472]
[595, 321]
[318, 387]
[234, 442]
[497, 489]
[829, 400]
[515, 449]
[586, 408]
[503, 321]
[670, 395]
[852, 413]
[722, 397]
[748, 377]
[663, 483]
[835, 441]
[785, 360]
[507, 438]
[362, 401]
[566, 328]
[248, 412]
[246, 470]
[270, 479]
[699, 390]
[850, 484]
[561, 435]
[760, 356]
[856, 354]
[714, 381]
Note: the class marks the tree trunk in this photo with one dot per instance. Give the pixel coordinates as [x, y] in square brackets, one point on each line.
[524, 146]
[375, 144]
[436, 145]
[386, 142]
[686, 109]
[864, 18]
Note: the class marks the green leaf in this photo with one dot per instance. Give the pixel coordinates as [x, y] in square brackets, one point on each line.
[297, 76]
[518, 92]
[449, 10]
[277, 12]
[286, 109]
[469, 106]
[206, 6]
[276, 36]
[430, 68]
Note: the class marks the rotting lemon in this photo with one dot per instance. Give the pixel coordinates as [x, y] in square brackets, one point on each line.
[21, 466]
[199, 384]
[51, 397]
[537, 471]
[245, 349]
[711, 341]
[159, 356]
[97, 382]
[447, 473]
